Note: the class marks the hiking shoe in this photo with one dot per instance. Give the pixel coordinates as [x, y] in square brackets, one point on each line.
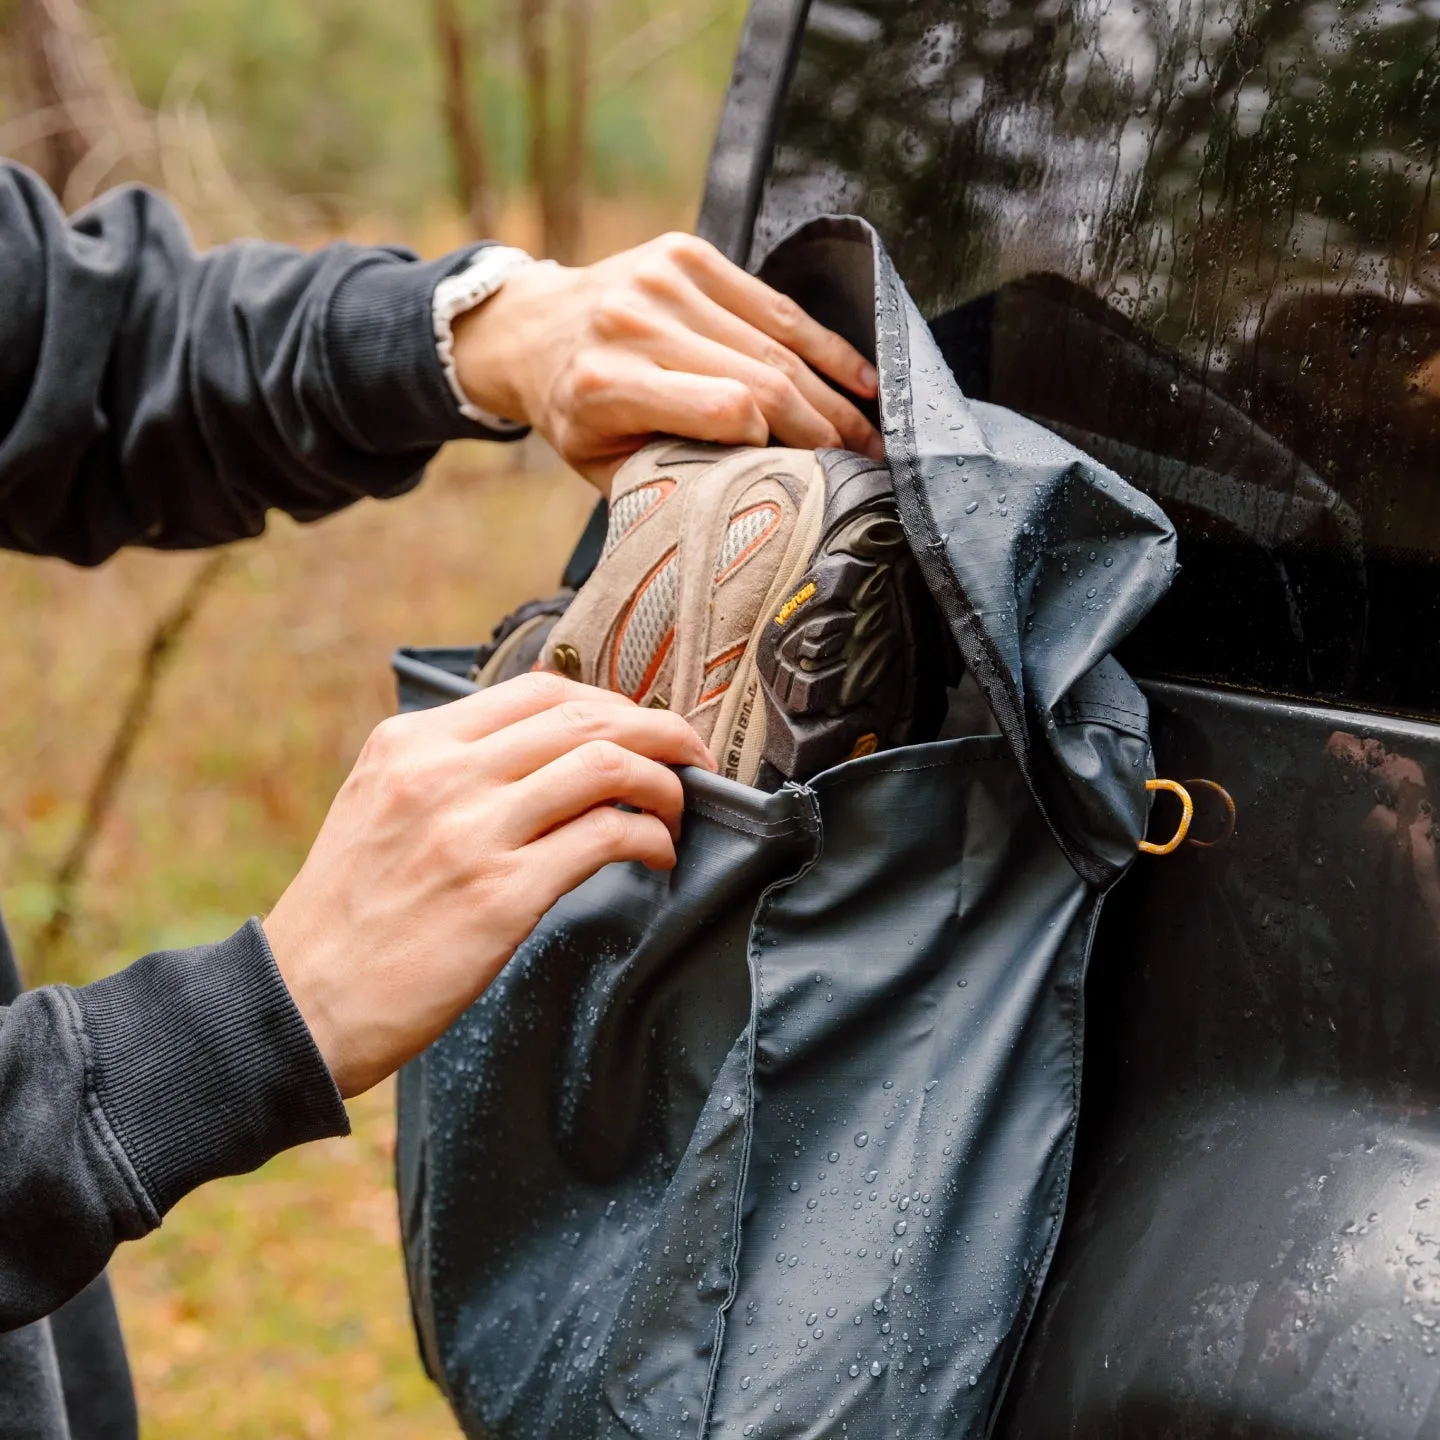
[516, 642]
[767, 595]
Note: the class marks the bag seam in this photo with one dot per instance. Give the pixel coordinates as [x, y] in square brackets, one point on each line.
[1021, 1328]
[761, 828]
[757, 990]
[940, 764]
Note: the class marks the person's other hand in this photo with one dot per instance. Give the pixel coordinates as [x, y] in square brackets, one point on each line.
[666, 339]
[455, 832]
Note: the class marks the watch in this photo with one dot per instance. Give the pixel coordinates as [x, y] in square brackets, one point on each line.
[457, 295]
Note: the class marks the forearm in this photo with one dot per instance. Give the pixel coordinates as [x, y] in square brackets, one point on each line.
[118, 1098]
[152, 395]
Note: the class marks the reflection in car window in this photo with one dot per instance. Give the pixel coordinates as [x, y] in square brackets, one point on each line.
[1201, 238]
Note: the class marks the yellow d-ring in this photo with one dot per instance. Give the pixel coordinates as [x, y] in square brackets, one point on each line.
[1181, 830]
[1228, 802]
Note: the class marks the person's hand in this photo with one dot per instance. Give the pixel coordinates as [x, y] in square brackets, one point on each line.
[667, 339]
[455, 832]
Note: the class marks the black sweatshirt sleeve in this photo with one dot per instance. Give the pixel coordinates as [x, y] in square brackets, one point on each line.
[150, 395]
[119, 1097]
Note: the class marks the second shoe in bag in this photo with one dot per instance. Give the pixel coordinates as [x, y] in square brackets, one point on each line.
[768, 595]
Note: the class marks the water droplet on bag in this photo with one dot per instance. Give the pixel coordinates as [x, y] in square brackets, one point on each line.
[876, 1368]
[794, 1186]
[854, 1371]
[972, 507]
[833, 1157]
[727, 1102]
[745, 1385]
[901, 1227]
[862, 1140]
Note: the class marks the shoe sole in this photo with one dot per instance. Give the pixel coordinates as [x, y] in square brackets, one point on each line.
[836, 654]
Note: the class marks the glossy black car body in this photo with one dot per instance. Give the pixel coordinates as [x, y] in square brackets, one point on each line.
[1202, 239]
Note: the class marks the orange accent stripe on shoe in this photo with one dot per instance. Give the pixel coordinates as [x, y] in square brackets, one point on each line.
[726, 657]
[662, 650]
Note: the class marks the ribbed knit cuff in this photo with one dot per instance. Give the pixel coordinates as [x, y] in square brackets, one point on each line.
[380, 343]
[203, 1065]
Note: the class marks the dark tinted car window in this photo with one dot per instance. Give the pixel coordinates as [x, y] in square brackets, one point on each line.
[1202, 240]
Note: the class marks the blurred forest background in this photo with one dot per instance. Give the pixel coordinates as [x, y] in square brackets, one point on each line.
[173, 727]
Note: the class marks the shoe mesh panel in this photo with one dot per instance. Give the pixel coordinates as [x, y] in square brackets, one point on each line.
[746, 533]
[647, 629]
[631, 508]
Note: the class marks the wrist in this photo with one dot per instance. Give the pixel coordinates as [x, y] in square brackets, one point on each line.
[498, 343]
[487, 375]
[308, 996]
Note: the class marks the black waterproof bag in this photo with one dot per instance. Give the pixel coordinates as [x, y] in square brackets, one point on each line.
[777, 1145]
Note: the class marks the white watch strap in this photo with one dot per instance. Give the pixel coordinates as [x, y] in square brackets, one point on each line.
[456, 295]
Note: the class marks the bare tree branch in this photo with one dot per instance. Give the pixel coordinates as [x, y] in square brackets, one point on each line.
[533, 18]
[194, 172]
[654, 42]
[572, 163]
[159, 654]
[467, 141]
[63, 67]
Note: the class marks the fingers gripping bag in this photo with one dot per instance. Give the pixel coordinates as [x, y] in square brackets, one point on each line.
[777, 1144]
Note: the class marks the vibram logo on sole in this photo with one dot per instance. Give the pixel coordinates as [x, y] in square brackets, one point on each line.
[804, 593]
